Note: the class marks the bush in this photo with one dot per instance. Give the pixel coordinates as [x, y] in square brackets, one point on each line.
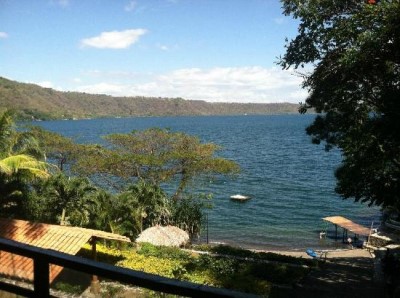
[149, 264]
[68, 288]
[187, 214]
[251, 276]
[244, 253]
[164, 252]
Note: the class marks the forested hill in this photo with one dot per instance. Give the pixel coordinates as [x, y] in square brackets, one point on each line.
[35, 102]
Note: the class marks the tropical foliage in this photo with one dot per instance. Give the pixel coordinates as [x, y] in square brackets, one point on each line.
[13, 142]
[63, 200]
[150, 205]
[157, 156]
[243, 274]
[138, 165]
[58, 149]
[187, 213]
[353, 51]
[140, 206]
[20, 165]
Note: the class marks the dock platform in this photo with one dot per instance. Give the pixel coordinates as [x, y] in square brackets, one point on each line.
[348, 225]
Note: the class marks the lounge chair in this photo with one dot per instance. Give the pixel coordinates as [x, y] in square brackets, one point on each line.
[312, 253]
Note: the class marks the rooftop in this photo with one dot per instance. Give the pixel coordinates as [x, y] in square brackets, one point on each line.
[60, 238]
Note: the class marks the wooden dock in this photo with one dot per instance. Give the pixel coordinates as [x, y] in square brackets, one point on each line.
[348, 226]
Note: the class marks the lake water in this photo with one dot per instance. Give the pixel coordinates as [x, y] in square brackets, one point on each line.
[291, 181]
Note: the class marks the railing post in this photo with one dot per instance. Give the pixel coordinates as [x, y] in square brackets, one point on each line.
[94, 284]
[41, 274]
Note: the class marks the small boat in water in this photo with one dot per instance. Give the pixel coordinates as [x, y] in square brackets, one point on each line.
[240, 198]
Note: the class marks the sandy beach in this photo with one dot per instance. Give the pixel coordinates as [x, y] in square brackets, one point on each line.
[330, 254]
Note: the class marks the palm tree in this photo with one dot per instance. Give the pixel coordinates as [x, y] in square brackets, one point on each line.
[13, 142]
[24, 167]
[101, 211]
[151, 203]
[141, 206]
[65, 200]
[19, 165]
[19, 151]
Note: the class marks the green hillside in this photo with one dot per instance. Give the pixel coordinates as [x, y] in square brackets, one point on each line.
[33, 101]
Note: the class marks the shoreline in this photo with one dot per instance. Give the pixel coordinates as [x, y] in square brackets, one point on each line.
[276, 247]
[325, 253]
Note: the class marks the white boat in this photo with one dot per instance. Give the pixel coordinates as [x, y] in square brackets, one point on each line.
[240, 197]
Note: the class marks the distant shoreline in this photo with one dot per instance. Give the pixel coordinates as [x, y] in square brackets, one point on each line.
[163, 116]
[50, 104]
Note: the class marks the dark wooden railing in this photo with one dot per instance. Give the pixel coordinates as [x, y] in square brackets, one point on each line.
[42, 258]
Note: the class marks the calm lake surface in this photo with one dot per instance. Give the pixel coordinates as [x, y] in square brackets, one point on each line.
[291, 181]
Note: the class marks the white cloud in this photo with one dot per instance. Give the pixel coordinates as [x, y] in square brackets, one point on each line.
[3, 35]
[102, 88]
[45, 84]
[299, 94]
[280, 20]
[167, 48]
[228, 84]
[62, 3]
[109, 74]
[163, 47]
[240, 84]
[130, 6]
[114, 39]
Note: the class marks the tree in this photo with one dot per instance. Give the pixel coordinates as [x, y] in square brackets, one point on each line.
[150, 205]
[59, 149]
[187, 213]
[354, 49]
[63, 200]
[102, 214]
[156, 156]
[20, 164]
[14, 142]
[23, 167]
[144, 160]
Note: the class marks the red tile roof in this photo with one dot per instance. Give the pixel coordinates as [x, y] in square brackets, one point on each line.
[61, 238]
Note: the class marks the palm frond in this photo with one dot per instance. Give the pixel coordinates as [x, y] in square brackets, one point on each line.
[27, 165]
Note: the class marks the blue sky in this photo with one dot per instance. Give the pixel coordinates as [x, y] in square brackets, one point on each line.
[213, 50]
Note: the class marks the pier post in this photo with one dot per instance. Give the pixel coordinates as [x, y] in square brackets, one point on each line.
[336, 232]
[207, 226]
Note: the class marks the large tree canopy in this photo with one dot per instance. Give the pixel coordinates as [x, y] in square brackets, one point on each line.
[157, 156]
[353, 47]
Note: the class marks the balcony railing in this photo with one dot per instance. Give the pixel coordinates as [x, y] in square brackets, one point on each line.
[42, 258]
